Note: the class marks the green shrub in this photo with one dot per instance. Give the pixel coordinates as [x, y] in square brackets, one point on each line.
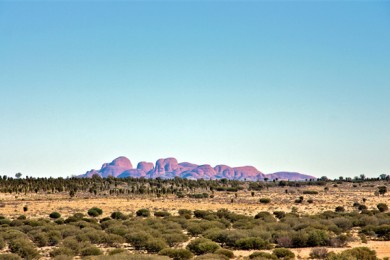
[283, 253]
[174, 238]
[201, 246]
[186, 213]
[312, 192]
[279, 214]
[250, 243]
[61, 251]
[339, 209]
[72, 244]
[91, 250]
[23, 248]
[155, 245]
[382, 207]
[2, 243]
[143, 213]
[359, 253]
[137, 239]
[265, 200]
[162, 214]
[94, 212]
[55, 215]
[262, 255]
[211, 256]
[9, 257]
[40, 239]
[118, 215]
[266, 216]
[226, 252]
[176, 254]
[117, 251]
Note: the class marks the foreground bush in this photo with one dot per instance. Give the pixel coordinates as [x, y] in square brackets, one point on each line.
[262, 255]
[176, 254]
[23, 248]
[9, 257]
[226, 252]
[283, 253]
[354, 253]
[92, 250]
[202, 246]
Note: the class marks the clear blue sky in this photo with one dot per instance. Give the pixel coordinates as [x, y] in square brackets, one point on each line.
[284, 85]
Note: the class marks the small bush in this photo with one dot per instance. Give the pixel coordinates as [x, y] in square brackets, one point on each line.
[319, 253]
[9, 257]
[117, 251]
[61, 251]
[283, 253]
[359, 253]
[92, 250]
[382, 207]
[262, 255]
[162, 214]
[23, 248]
[118, 215]
[155, 245]
[339, 209]
[312, 192]
[265, 200]
[55, 215]
[279, 214]
[143, 213]
[185, 213]
[226, 252]
[176, 254]
[94, 212]
[201, 246]
[250, 243]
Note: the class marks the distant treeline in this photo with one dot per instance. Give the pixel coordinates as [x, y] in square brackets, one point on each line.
[114, 186]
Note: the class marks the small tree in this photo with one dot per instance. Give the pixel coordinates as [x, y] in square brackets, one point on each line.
[18, 175]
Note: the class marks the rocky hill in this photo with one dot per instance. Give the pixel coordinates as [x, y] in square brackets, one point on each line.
[121, 167]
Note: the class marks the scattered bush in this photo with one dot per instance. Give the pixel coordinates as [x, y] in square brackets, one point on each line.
[143, 213]
[265, 200]
[176, 254]
[382, 207]
[283, 253]
[319, 253]
[91, 250]
[23, 248]
[162, 214]
[225, 252]
[94, 212]
[55, 215]
[201, 246]
[155, 245]
[262, 255]
[312, 192]
[339, 209]
[118, 215]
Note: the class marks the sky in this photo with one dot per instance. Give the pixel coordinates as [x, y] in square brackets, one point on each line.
[281, 85]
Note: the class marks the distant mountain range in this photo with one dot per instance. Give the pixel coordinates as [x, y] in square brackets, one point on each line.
[168, 168]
